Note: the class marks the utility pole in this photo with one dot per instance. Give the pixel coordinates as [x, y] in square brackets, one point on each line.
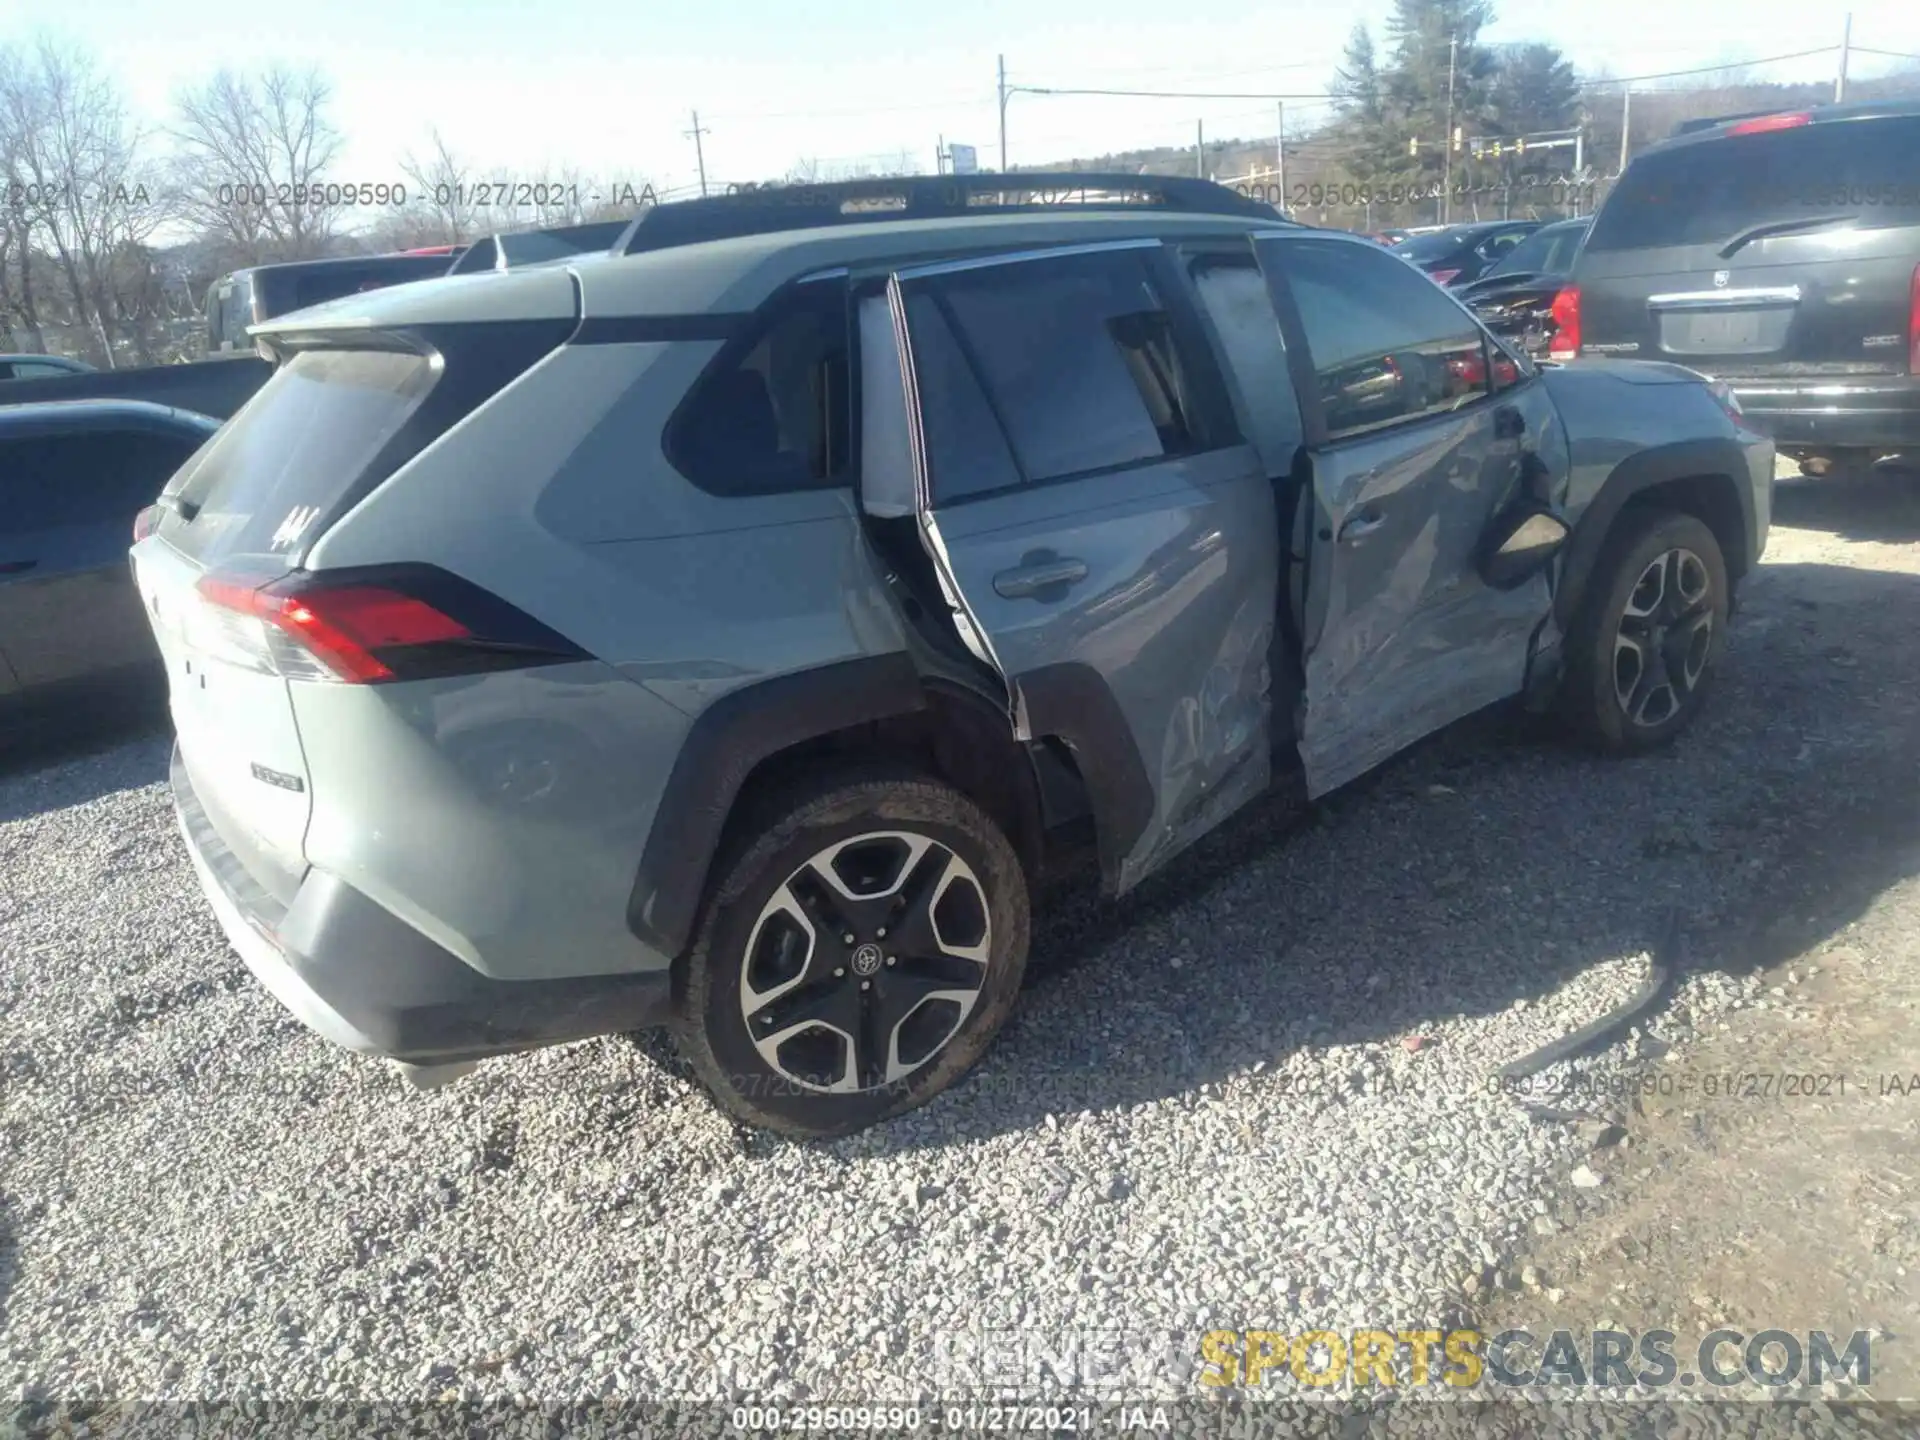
[1626, 125]
[1200, 148]
[699, 154]
[1003, 114]
[940, 155]
[1446, 140]
[1846, 44]
[1280, 152]
[1579, 162]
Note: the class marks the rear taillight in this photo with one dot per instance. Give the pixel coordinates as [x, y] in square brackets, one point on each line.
[1913, 324]
[377, 625]
[1442, 277]
[1723, 396]
[1565, 344]
[1760, 124]
[145, 523]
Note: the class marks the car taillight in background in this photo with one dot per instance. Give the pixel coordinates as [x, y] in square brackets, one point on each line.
[1913, 324]
[145, 523]
[1760, 124]
[1565, 344]
[1442, 277]
[374, 626]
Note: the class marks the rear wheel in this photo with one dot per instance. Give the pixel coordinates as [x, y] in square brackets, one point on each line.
[1649, 636]
[857, 957]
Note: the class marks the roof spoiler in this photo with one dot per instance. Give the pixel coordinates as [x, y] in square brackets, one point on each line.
[515, 249]
[768, 209]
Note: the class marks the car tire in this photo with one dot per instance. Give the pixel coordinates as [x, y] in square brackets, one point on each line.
[797, 1028]
[1644, 648]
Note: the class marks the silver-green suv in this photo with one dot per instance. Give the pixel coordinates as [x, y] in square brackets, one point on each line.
[720, 631]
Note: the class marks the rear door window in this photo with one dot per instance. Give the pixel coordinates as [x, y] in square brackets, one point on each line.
[1388, 345]
[1078, 360]
[1838, 171]
[290, 455]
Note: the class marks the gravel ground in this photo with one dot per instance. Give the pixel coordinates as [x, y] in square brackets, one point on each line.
[1254, 1096]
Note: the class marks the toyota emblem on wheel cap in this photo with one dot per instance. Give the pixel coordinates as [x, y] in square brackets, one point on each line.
[866, 960]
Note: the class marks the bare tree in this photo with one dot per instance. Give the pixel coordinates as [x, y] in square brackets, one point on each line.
[441, 188]
[251, 161]
[78, 171]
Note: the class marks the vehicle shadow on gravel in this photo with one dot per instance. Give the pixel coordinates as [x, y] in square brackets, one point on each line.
[1483, 871]
[1881, 504]
[46, 773]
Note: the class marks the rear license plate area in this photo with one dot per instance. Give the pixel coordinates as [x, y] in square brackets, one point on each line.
[1755, 331]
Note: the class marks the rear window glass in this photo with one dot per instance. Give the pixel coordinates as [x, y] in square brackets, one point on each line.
[1422, 248]
[1545, 252]
[287, 458]
[1839, 171]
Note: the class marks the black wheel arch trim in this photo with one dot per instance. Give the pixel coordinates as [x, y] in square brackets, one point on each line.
[1069, 702]
[1073, 702]
[727, 740]
[1708, 459]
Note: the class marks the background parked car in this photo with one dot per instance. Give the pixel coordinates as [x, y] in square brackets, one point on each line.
[1515, 298]
[40, 367]
[1461, 253]
[1780, 253]
[74, 640]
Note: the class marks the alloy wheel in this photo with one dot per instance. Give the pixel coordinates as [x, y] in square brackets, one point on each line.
[1664, 639]
[865, 962]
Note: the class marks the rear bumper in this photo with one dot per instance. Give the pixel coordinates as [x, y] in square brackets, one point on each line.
[1882, 415]
[366, 980]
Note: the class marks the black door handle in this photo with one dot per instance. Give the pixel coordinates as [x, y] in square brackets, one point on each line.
[1059, 571]
[16, 567]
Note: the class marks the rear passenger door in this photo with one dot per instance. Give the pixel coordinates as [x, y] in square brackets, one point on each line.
[1104, 536]
[1422, 433]
[68, 608]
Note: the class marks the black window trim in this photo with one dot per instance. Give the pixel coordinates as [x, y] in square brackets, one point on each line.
[1306, 384]
[1213, 418]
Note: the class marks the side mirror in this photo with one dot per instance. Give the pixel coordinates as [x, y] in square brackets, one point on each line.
[1522, 543]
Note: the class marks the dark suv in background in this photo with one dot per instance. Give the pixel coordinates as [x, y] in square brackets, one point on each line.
[1781, 254]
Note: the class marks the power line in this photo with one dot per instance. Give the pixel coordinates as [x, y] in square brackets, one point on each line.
[1167, 94]
[1709, 69]
[1890, 54]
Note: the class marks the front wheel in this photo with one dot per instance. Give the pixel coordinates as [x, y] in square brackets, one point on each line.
[857, 957]
[1649, 636]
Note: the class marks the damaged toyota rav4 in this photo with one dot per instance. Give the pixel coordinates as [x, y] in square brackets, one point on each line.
[726, 630]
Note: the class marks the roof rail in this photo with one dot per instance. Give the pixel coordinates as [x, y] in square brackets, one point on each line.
[768, 209]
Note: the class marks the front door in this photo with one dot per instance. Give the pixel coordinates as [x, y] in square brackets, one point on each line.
[1104, 536]
[1422, 433]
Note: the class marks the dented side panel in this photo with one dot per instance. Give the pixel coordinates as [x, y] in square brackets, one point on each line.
[1174, 615]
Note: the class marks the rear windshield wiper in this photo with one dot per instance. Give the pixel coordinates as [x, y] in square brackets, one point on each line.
[184, 508]
[1782, 227]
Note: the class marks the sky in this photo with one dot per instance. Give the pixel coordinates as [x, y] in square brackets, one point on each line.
[517, 88]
